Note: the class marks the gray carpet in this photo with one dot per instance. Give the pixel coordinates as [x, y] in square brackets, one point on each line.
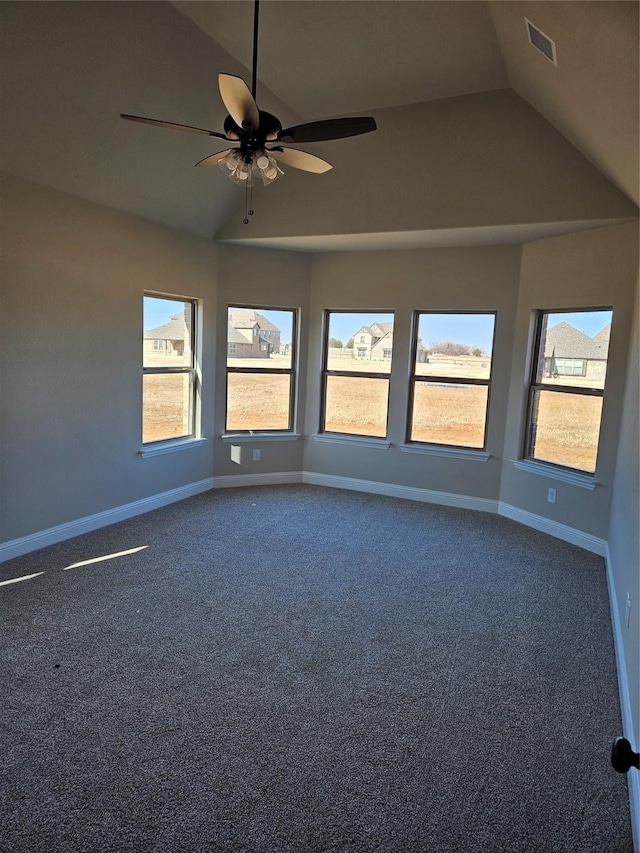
[292, 668]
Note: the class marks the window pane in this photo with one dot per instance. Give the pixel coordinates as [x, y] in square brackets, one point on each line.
[167, 406]
[167, 333]
[259, 337]
[257, 401]
[449, 414]
[574, 348]
[565, 429]
[362, 341]
[455, 345]
[357, 406]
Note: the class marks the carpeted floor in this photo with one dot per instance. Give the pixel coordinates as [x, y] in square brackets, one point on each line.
[293, 668]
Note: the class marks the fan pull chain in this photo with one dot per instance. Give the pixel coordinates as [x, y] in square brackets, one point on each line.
[248, 200]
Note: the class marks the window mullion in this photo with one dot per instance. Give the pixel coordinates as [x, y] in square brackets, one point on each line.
[568, 389]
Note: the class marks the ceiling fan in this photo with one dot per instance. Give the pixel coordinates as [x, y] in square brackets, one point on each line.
[253, 129]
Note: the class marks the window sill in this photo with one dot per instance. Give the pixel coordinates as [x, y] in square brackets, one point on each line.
[360, 440]
[584, 481]
[447, 452]
[246, 437]
[170, 446]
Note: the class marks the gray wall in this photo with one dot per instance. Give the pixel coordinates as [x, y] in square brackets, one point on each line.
[73, 276]
[624, 529]
[590, 269]
[480, 278]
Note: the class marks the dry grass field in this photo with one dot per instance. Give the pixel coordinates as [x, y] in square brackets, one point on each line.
[567, 431]
[164, 411]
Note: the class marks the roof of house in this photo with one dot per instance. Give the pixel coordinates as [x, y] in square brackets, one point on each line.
[602, 338]
[385, 342]
[565, 341]
[385, 328]
[376, 330]
[174, 330]
[245, 318]
[235, 337]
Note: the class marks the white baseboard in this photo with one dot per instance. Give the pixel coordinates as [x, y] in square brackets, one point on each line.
[554, 528]
[278, 478]
[633, 777]
[392, 490]
[26, 544]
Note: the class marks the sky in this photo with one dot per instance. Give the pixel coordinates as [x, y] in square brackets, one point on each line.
[475, 330]
[157, 312]
[589, 322]
[344, 326]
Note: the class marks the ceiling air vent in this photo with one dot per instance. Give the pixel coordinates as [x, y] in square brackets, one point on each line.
[541, 42]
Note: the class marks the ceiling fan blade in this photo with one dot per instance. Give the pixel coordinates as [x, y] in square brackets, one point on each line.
[172, 126]
[300, 160]
[239, 101]
[214, 159]
[331, 128]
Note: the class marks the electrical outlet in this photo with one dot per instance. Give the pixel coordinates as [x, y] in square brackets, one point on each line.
[256, 455]
[627, 611]
[551, 496]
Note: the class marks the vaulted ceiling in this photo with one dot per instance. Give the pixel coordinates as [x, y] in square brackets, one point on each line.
[69, 69]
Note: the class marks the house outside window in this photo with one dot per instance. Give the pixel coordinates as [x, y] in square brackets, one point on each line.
[566, 388]
[261, 369]
[355, 385]
[451, 378]
[169, 380]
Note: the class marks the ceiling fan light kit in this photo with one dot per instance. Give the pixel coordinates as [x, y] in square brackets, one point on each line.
[261, 167]
[253, 128]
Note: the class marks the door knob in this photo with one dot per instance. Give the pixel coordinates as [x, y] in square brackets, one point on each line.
[623, 757]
